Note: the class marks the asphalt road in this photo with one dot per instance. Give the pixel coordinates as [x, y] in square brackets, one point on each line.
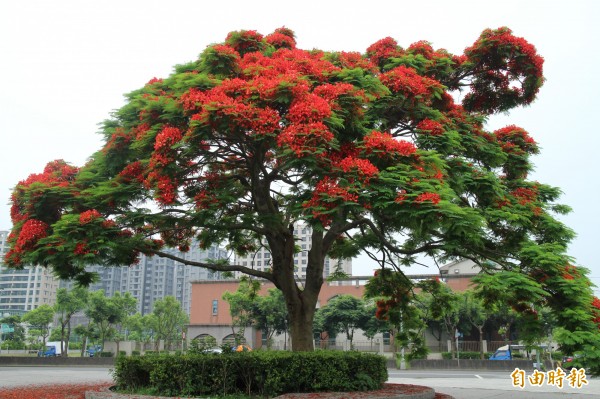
[20, 376]
[486, 384]
[460, 384]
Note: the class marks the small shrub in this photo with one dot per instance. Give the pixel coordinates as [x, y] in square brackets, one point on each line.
[135, 353]
[106, 354]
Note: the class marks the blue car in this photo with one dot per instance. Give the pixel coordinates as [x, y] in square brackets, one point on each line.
[92, 350]
[502, 354]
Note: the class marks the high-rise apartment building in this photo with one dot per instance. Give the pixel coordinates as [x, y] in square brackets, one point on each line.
[261, 259]
[155, 277]
[26, 289]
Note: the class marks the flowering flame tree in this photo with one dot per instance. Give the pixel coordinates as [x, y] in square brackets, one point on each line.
[374, 151]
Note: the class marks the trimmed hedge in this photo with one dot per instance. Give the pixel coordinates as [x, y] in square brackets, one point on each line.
[251, 373]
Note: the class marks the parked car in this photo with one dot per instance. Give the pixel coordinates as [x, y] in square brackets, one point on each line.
[93, 350]
[213, 350]
[502, 354]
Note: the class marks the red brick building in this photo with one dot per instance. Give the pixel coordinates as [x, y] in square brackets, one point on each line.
[209, 312]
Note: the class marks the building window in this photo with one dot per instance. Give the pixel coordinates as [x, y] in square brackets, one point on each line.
[215, 307]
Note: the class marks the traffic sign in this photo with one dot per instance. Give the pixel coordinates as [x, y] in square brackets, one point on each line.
[6, 328]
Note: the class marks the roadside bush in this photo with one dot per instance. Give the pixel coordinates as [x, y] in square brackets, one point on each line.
[106, 354]
[75, 345]
[252, 373]
[10, 344]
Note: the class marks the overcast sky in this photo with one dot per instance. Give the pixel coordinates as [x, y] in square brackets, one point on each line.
[65, 66]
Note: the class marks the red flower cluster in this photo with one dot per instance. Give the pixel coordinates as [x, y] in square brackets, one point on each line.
[311, 138]
[31, 232]
[380, 51]
[118, 141]
[362, 167]
[56, 174]
[524, 195]
[245, 41]
[511, 136]
[311, 64]
[570, 272]
[385, 143]
[310, 108]
[218, 106]
[434, 198]
[280, 40]
[351, 60]
[204, 200]
[507, 71]
[504, 39]
[89, 216]
[327, 194]
[431, 127]
[383, 307]
[330, 92]
[133, 171]
[225, 51]
[596, 310]
[408, 82]
[81, 248]
[167, 137]
[166, 190]
[424, 48]
[140, 130]
[153, 81]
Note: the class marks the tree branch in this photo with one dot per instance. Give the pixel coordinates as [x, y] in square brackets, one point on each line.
[217, 267]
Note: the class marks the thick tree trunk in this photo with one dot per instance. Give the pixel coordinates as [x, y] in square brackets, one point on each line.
[301, 312]
[300, 296]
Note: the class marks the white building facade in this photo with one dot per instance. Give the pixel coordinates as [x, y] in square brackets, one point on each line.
[154, 278]
[26, 289]
[261, 259]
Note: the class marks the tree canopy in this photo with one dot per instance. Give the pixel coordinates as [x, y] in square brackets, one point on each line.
[384, 151]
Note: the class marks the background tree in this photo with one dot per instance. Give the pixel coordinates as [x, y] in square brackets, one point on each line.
[374, 325]
[88, 333]
[107, 313]
[167, 320]
[397, 305]
[266, 313]
[372, 150]
[474, 311]
[345, 314]
[39, 320]
[138, 327]
[18, 334]
[269, 315]
[67, 304]
[241, 304]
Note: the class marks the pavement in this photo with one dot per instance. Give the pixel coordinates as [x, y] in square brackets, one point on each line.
[458, 383]
[21, 376]
[475, 385]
